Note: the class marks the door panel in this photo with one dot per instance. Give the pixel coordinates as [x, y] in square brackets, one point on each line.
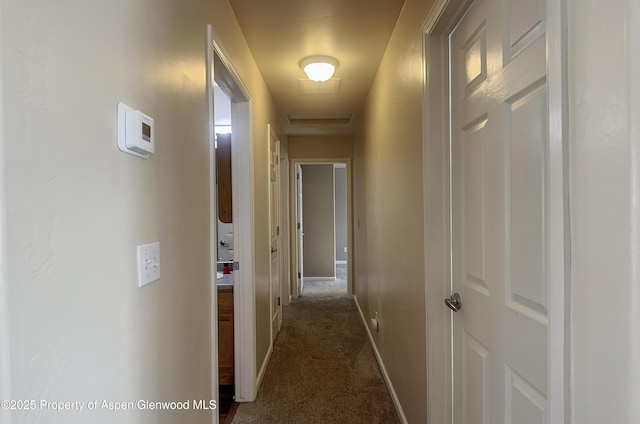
[499, 209]
[274, 223]
[525, 20]
[475, 364]
[527, 245]
[525, 404]
[300, 231]
[472, 145]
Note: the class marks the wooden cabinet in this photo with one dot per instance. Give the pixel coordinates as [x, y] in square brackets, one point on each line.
[225, 335]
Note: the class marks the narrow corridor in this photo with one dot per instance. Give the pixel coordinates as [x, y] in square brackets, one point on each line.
[323, 369]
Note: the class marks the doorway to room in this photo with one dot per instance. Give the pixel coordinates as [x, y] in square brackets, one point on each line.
[322, 226]
[225, 257]
[231, 229]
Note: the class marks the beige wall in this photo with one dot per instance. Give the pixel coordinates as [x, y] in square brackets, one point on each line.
[321, 147]
[318, 220]
[80, 328]
[389, 252]
[604, 107]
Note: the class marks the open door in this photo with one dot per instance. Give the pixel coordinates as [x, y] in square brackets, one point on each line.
[299, 229]
[274, 231]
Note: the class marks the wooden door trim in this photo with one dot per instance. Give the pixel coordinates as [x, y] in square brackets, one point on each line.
[436, 165]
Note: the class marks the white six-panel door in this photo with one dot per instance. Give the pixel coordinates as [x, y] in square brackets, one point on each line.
[274, 234]
[499, 171]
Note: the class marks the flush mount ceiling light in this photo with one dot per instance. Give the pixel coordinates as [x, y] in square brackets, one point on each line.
[319, 68]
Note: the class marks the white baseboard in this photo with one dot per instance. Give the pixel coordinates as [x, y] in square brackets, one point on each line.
[263, 368]
[387, 380]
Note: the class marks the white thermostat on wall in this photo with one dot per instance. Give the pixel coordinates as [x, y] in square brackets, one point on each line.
[135, 132]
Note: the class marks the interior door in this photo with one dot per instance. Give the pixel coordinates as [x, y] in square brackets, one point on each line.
[274, 229]
[499, 204]
[299, 229]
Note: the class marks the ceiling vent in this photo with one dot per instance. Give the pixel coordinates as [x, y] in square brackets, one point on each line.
[308, 86]
[320, 120]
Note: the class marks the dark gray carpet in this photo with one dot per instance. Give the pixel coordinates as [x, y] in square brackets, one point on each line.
[323, 369]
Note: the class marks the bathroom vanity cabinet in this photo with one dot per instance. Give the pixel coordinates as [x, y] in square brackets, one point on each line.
[225, 335]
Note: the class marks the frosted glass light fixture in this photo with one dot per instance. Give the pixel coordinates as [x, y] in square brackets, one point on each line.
[319, 68]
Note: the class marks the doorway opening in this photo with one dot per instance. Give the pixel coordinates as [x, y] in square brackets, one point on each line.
[321, 231]
[231, 229]
[225, 257]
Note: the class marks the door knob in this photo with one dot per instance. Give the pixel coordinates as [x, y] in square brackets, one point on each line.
[454, 303]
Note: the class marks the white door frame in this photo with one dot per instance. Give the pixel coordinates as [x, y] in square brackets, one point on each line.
[436, 164]
[293, 162]
[298, 241]
[220, 67]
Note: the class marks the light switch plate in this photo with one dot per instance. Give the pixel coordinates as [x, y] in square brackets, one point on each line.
[148, 263]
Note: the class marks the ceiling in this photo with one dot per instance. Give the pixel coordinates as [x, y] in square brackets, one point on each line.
[280, 33]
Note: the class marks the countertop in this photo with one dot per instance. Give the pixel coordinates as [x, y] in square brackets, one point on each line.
[226, 281]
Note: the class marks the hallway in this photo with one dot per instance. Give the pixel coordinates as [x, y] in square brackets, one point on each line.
[322, 369]
[499, 162]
